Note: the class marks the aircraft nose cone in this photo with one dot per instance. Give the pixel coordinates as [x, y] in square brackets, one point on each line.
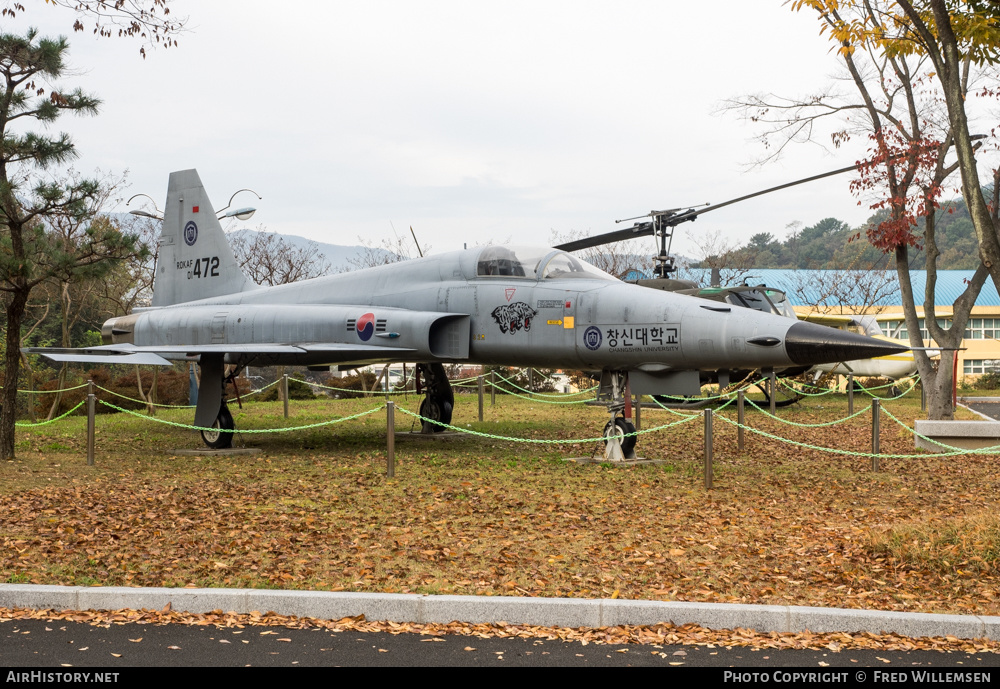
[808, 344]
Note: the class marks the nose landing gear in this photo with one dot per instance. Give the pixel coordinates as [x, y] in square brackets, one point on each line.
[619, 443]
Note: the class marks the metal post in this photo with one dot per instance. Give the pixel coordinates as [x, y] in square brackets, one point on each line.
[850, 394]
[481, 383]
[772, 388]
[91, 411]
[875, 433]
[638, 412]
[708, 449]
[284, 392]
[390, 439]
[531, 380]
[740, 398]
[493, 388]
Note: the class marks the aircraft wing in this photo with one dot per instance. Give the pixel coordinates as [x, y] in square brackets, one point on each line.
[140, 359]
[159, 355]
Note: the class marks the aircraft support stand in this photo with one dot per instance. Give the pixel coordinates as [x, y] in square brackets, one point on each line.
[850, 395]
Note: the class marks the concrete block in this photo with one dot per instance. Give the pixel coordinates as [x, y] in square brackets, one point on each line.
[548, 612]
[631, 612]
[328, 605]
[991, 627]
[39, 597]
[761, 618]
[969, 435]
[912, 624]
[180, 599]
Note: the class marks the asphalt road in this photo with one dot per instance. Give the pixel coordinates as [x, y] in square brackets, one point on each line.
[68, 645]
[991, 409]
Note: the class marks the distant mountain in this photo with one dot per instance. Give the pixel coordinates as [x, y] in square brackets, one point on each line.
[338, 255]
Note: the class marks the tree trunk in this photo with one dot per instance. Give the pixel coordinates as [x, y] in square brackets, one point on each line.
[60, 384]
[11, 369]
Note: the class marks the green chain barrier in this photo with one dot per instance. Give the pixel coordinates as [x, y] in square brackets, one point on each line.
[992, 449]
[725, 404]
[536, 399]
[242, 430]
[880, 387]
[132, 399]
[851, 453]
[469, 431]
[826, 391]
[362, 392]
[730, 399]
[675, 412]
[49, 392]
[808, 425]
[715, 397]
[913, 384]
[42, 423]
[542, 394]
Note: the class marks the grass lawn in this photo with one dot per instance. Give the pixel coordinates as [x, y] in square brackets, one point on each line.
[784, 524]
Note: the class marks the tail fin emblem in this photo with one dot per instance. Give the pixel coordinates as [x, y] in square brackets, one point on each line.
[190, 233]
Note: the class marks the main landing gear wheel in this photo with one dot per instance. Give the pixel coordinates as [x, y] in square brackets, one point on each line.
[620, 428]
[439, 400]
[437, 409]
[218, 439]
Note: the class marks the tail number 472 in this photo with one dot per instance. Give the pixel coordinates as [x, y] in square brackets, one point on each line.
[204, 267]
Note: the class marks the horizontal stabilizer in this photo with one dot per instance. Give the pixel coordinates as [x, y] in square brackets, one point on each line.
[138, 359]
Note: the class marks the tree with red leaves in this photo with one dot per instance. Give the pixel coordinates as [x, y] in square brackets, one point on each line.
[899, 106]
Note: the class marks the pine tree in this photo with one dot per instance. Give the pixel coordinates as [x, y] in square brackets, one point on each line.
[32, 193]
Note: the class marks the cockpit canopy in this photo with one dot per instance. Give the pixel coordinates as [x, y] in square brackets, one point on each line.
[534, 263]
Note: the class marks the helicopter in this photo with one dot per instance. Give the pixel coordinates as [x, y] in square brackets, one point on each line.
[661, 226]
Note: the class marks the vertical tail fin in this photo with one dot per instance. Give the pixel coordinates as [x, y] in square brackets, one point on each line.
[195, 260]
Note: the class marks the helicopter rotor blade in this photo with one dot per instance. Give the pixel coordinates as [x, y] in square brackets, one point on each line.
[646, 228]
[638, 230]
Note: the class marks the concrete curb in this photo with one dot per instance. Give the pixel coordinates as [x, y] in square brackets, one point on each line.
[548, 612]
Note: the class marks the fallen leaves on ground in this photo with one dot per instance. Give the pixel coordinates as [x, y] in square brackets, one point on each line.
[784, 525]
[653, 635]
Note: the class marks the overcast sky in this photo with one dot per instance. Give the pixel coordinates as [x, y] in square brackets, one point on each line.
[470, 121]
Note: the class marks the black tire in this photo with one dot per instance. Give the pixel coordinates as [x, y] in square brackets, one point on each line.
[437, 409]
[894, 391]
[218, 440]
[621, 428]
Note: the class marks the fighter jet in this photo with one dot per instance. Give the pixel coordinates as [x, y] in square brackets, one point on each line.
[506, 305]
